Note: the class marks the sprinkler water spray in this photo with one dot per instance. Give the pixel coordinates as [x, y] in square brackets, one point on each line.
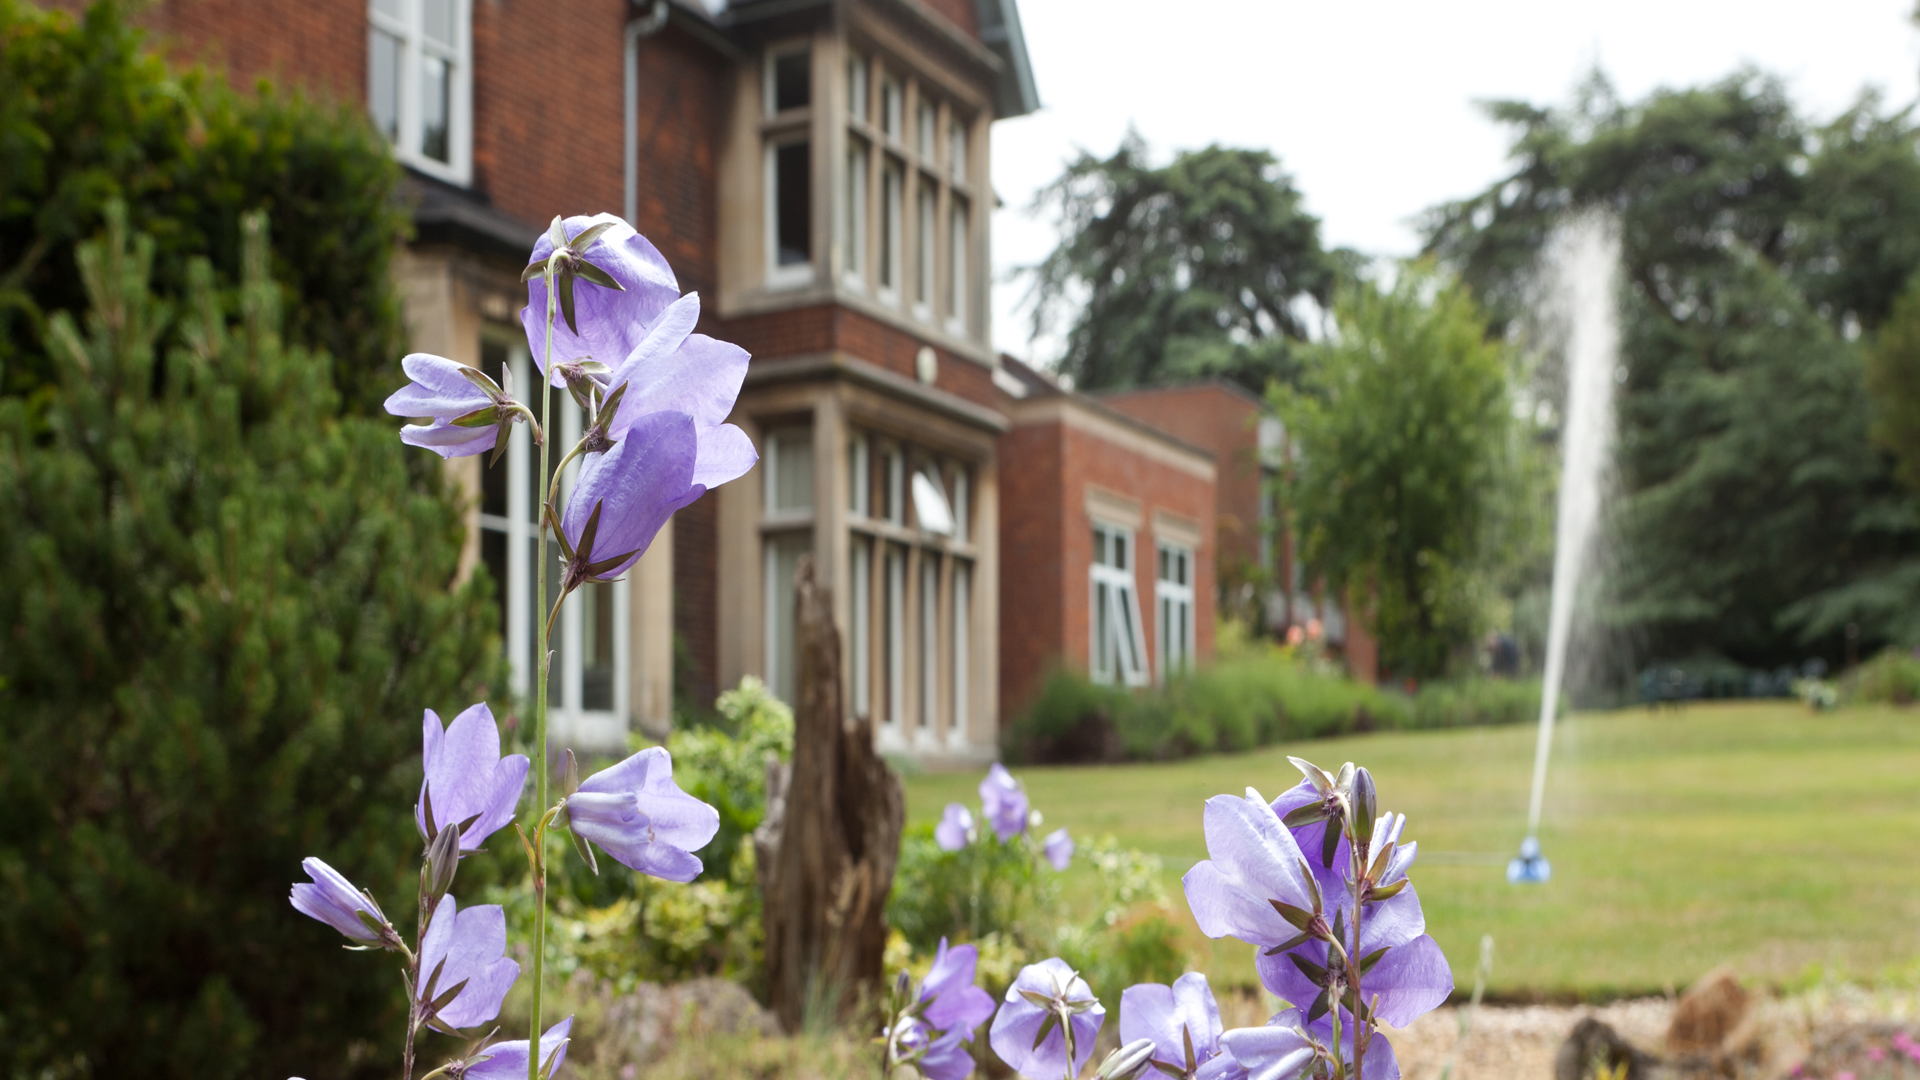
[1584, 256]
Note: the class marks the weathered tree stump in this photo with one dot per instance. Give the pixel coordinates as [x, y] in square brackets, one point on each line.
[827, 849]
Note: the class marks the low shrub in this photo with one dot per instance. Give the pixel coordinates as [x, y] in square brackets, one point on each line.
[627, 928]
[1893, 677]
[1251, 700]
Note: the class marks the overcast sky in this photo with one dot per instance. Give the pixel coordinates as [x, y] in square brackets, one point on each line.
[1370, 106]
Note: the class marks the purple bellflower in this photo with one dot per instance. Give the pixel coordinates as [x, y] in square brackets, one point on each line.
[1003, 803]
[1182, 1020]
[465, 947]
[639, 336]
[638, 815]
[470, 412]
[1409, 974]
[955, 830]
[926, 1032]
[955, 1004]
[624, 495]
[1045, 1004]
[508, 1060]
[468, 784]
[1059, 848]
[1288, 1045]
[1255, 863]
[611, 322]
[333, 900]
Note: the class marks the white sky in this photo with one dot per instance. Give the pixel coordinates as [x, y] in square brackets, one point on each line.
[1370, 106]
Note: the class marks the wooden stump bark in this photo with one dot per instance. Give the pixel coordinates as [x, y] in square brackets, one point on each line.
[827, 849]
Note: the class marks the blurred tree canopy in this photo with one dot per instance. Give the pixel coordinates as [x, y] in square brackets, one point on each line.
[86, 118]
[1206, 267]
[1762, 254]
[1410, 489]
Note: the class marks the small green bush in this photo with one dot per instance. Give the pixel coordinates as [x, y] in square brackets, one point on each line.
[1253, 699]
[1477, 702]
[1893, 677]
[986, 887]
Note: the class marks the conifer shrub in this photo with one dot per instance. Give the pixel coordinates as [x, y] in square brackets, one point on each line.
[226, 605]
[89, 117]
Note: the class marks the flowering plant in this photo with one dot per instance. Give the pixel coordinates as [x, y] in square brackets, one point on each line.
[656, 396]
[1317, 882]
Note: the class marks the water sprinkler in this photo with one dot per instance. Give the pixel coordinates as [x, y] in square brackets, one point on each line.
[1529, 867]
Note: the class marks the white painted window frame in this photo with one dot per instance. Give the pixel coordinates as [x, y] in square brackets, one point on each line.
[1119, 580]
[409, 28]
[1174, 651]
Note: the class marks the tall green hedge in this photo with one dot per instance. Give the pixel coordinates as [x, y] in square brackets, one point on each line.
[88, 117]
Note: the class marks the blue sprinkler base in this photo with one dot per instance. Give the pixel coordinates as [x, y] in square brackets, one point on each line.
[1529, 867]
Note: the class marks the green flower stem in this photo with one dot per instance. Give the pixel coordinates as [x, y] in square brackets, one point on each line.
[540, 718]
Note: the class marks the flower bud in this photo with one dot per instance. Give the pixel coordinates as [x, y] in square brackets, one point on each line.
[443, 860]
[1128, 1061]
[1365, 802]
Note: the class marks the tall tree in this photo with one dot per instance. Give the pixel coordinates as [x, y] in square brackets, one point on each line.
[1406, 466]
[1203, 267]
[1760, 252]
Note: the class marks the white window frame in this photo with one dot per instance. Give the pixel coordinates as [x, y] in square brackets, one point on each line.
[1128, 664]
[1174, 650]
[860, 624]
[926, 243]
[568, 724]
[410, 29]
[894, 569]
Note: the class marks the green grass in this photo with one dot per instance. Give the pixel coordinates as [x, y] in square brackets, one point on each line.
[1758, 835]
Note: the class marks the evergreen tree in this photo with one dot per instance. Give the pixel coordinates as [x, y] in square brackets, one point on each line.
[1761, 254]
[226, 605]
[1196, 269]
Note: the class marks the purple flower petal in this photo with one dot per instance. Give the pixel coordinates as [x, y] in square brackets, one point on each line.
[637, 485]
[467, 777]
[955, 824]
[958, 1005]
[1059, 849]
[1019, 1021]
[611, 322]
[1411, 979]
[945, 1058]
[438, 389]
[467, 946]
[1168, 1015]
[638, 814]
[1003, 803]
[508, 1060]
[451, 440]
[333, 900]
[1254, 861]
[1273, 1052]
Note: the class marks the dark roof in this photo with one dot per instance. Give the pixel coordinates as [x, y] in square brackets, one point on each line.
[445, 214]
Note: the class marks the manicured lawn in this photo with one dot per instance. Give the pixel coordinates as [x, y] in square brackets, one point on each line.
[1757, 835]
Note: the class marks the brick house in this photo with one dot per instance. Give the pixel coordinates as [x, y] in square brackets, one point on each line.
[818, 170]
[1256, 551]
[1106, 541]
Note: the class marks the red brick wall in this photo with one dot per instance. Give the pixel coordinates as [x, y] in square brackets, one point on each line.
[1046, 548]
[1224, 423]
[960, 13]
[1033, 590]
[321, 48]
[829, 327]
